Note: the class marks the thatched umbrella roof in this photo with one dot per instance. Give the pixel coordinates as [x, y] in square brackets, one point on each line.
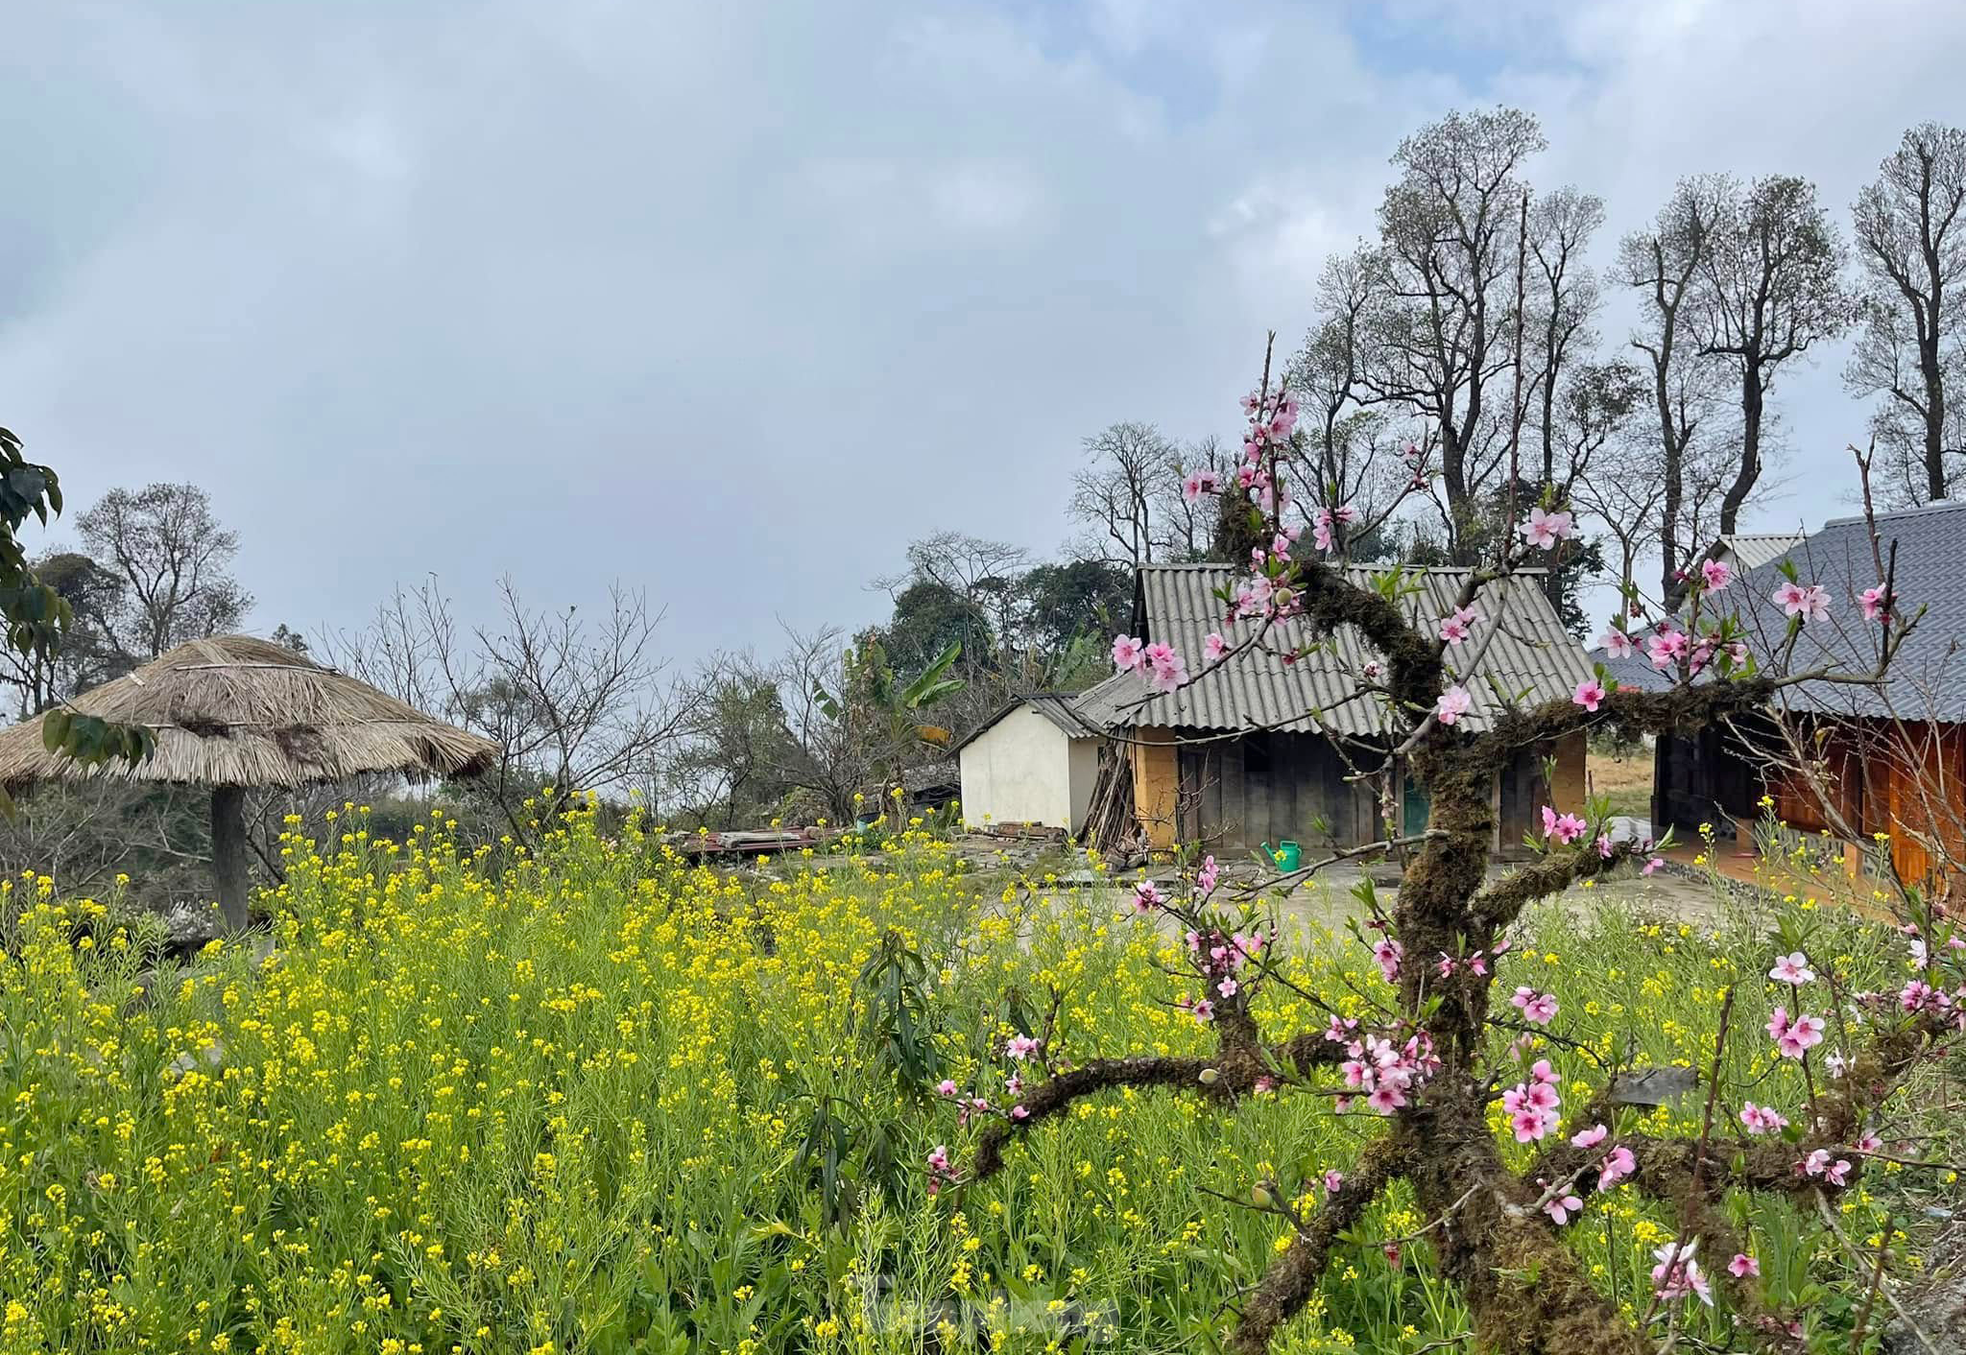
[234, 712]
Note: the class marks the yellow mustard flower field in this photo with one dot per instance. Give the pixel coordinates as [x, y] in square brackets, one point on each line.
[594, 1098]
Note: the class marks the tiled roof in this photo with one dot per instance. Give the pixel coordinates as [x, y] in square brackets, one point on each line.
[1634, 670]
[1928, 674]
[1531, 658]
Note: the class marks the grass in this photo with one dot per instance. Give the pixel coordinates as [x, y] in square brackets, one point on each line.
[1625, 776]
[597, 1100]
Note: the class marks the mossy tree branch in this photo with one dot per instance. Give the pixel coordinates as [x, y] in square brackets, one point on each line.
[1529, 1293]
[1232, 1072]
[1291, 1278]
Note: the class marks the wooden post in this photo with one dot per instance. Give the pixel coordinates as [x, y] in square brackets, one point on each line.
[229, 853]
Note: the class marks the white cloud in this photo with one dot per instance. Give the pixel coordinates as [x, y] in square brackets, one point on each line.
[599, 290]
[370, 143]
[986, 199]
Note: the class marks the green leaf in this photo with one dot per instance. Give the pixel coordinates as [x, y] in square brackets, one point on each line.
[931, 695]
[54, 729]
[929, 685]
[828, 704]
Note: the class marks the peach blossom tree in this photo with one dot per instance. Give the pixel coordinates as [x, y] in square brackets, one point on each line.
[1451, 1034]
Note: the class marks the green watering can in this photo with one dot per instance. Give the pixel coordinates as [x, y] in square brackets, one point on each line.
[1286, 854]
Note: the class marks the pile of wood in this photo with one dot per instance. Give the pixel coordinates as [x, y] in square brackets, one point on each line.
[1024, 832]
[1110, 823]
[737, 844]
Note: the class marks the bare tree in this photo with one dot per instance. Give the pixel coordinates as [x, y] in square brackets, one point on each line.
[834, 749]
[1911, 245]
[1663, 263]
[1593, 410]
[1563, 301]
[851, 723]
[1449, 229]
[1115, 494]
[1625, 491]
[175, 558]
[86, 833]
[960, 562]
[981, 572]
[572, 705]
[1350, 427]
[1605, 467]
[727, 767]
[1709, 473]
[1769, 286]
[1185, 526]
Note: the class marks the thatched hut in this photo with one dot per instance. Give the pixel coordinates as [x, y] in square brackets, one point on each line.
[233, 713]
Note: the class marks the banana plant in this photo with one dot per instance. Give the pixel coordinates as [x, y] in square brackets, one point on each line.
[869, 686]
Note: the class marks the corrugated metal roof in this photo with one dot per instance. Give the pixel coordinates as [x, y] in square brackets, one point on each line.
[1060, 708]
[1532, 658]
[1752, 550]
[1110, 703]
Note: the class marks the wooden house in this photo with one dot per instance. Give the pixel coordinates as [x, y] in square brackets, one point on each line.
[1261, 750]
[1853, 760]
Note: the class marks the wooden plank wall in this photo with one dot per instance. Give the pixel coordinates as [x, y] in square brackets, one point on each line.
[1921, 784]
[1156, 774]
[1856, 790]
[1907, 780]
[1525, 790]
[1267, 787]
[1242, 792]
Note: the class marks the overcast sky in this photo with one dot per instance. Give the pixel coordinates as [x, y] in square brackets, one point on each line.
[727, 301]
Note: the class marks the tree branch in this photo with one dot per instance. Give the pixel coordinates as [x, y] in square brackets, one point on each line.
[1291, 1277]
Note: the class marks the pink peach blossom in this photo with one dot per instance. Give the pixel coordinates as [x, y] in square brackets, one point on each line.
[1453, 704]
[1544, 529]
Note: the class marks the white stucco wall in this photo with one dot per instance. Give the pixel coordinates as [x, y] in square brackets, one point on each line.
[1020, 770]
